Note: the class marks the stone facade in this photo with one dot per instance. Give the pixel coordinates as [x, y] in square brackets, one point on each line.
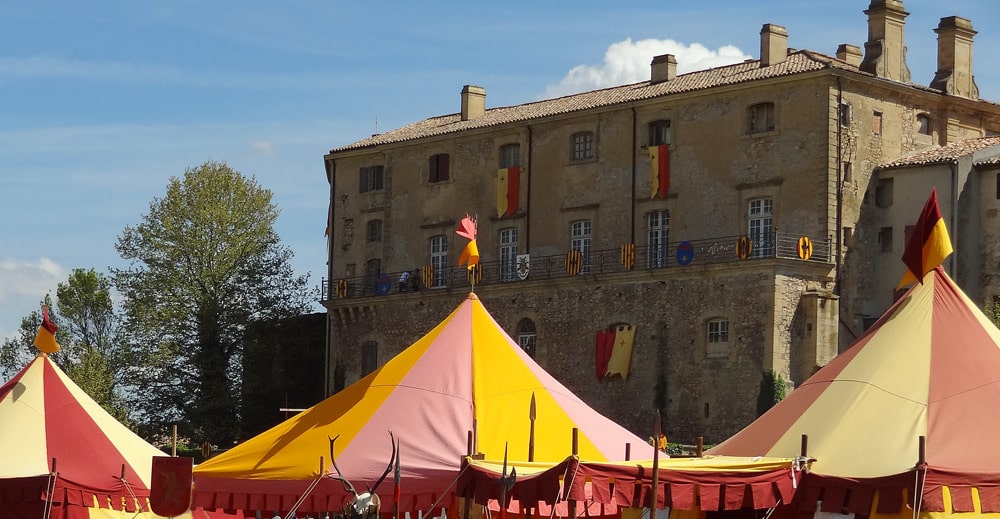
[776, 150]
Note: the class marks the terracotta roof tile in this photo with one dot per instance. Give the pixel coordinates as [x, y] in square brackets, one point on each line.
[798, 62]
[943, 154]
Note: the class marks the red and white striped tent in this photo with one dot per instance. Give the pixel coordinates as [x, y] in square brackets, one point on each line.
[912, 408]
[64, 457]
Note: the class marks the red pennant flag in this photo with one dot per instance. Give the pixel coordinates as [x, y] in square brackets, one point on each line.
[928, 245]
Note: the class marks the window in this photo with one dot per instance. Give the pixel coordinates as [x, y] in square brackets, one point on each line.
[369, 357]
[583, 146]
[845, 115]
[347, 236]
[885, 239]
[526, 336]
[998, 186]
[848, 172]
[923, 124]
[658, 225]
[439, 260]
[439, 167]
[374, 231]
[510, 155]
[371, 178]
[883, 193]
[760, 227]
[761, 117]
[373, 269]
[580, 241]
[508, 254]
[659, 132]
[877, 123]
[718, 338]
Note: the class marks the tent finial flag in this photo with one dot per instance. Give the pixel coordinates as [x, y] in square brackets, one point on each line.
[928, 245]
[45, 339]
[470, 255]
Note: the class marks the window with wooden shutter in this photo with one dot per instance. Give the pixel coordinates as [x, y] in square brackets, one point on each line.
[439, 168]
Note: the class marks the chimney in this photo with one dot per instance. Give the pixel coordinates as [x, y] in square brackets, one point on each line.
[885, 53]
[773, 44]
[849, 53]
[473, 102]
[663, 68]
[954, 62]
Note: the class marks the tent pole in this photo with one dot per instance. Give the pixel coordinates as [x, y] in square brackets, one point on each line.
[653, 499]
[571, 503]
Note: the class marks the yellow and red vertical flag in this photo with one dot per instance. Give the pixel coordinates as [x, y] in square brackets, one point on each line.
[470, 254]
[45, 339]
[928, 244]
[659, 165]
[621, 354]
[508, 188]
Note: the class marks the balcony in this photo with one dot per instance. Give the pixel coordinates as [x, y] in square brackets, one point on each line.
[726, 249]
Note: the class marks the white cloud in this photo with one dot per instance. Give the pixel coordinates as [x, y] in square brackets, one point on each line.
[264, 146]
[628, 62]
[23, 284]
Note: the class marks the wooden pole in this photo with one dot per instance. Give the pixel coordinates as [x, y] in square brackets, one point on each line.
[570, 503]
[532, 413]
[701, 446]
[656, 464]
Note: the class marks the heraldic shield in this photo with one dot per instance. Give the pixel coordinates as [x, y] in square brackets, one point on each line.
[523, 266]
[170, 485]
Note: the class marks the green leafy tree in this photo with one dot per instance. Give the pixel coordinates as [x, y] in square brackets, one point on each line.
[203, 264]
[772, 391]
[90, 354]
[992, 311]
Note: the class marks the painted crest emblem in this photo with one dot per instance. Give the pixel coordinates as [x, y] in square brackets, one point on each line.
[523, 266]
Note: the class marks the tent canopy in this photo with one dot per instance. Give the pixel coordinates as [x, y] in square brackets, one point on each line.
[709, 483]
[929, 368]
[465, 378]
[51, 425]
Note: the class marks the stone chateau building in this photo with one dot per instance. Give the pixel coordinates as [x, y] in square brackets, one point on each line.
[729, 222]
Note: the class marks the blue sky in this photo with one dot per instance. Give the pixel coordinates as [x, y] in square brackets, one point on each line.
[103, 103]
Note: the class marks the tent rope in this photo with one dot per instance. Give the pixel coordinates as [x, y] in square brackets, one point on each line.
[303, 497]
[50, 488]
[918, 499]
[567, 484]
[445, 491]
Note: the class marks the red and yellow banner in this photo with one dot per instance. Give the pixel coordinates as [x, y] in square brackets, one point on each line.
[508, 188]
[928, 245]
[659, 165]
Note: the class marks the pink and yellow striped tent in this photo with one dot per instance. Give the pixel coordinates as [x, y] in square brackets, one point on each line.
[63, 452]
[912, 408]
[465, 379]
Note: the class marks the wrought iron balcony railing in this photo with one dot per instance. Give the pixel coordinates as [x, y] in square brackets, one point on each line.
[627, 258]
